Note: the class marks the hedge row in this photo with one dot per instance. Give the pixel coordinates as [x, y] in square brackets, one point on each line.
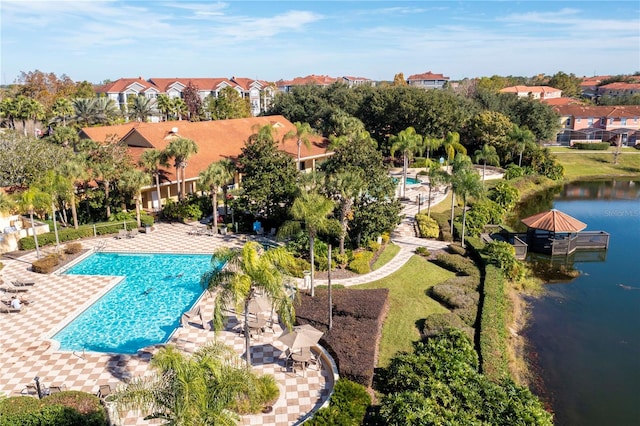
[436, 324]
[593, 146]
[458, 264]
[443, 222]
[72, 234]
[493, 325]
[64, 408]
[428, 226]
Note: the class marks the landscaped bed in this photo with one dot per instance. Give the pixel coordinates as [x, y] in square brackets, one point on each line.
[357, 323]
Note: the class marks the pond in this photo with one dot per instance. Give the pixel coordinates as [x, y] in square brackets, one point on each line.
[584, 334]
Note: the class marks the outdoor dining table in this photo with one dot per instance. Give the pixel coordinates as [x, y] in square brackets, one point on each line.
[301, 358]
[257, 324]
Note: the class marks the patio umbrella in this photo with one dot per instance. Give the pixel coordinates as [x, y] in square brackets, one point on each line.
[259, 304]
[302, 336]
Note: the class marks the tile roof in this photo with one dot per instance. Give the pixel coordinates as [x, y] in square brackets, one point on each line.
[621, 86]
[427, 76]
[320, 80]
[216, 139]
[598, 110]
[208, 84]
[529, 89]
[562, 101]
[121, 84]
[554, 221]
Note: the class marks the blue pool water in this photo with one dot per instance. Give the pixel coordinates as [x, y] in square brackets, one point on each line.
[410, 181]
[143, 309]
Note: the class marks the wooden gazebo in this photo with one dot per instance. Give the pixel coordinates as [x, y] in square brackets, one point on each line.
[554, 232]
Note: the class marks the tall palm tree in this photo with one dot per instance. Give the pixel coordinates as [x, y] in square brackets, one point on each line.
[30, 201]
[436, 176]
[164, 106]
[311, 210]
[213, 178]
[247, 272]
[153, 161]
[84, 112]
[301, 135]
[521, 137]
[452, 146]
[460, 163]
[345, 186]
[181, 149]
[132, 181]
[9, 111]
[186, 390]
[55, 185]
[408, 142]
[431, 144]
[466, 183]
[142, 107]
[487, 154]
[179, 108]
[75, 171]
[61, 110]
[105, 110]
[29, 109]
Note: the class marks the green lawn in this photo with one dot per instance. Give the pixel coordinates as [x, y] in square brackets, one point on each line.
[387, 254]
[409, 304]
[579, 164]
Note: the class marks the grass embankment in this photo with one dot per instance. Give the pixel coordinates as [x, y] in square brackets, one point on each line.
[597, 164]
[385, 257]
[409, 304]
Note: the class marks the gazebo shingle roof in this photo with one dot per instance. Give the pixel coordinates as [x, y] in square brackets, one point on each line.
[554, 221]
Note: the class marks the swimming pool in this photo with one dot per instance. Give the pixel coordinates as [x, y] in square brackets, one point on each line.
[410, 181]
[143, 309]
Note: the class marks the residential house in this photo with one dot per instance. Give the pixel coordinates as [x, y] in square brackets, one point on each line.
[582, 123]
[216, 140]
[589, 85]
[287, 86]
[357, 81]
[260, 93]
[427, 80]
[619, 89]
[534, 92]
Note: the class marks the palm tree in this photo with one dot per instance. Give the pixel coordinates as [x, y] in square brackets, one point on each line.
[9, 111]
[31, 200]
[178, 108]
[466, 183]
[132, 181]
[84, 111]
[29, 109]
[487, 154]
[153, 160]
[164, 105]
[213, 178]
[301, 135]
[345, 187]
[249, 271]
[75, 171]
[436, 176]
[460, 162]
[55, 185]
[142, 107]
[62, 109]
[311, 210]
[521, 137]
[186, 390]
[431, 144]
[105, 110]
[408, 142]
[181, 149]
[452, 146]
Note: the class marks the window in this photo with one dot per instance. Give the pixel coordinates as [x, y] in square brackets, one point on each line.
[578, 120]
[623, 121]
[603, 121]
[611, 121]
[568, 121]
[590, 121]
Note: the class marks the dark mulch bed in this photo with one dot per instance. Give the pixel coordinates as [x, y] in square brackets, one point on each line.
[357, 324]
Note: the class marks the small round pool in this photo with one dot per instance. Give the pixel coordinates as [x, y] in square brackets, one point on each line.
[143, 309]
[410, 181]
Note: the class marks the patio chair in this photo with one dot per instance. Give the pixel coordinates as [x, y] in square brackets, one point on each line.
[57, 389]
[132, 233]
[121, 234]
[23, 283]
[192, 315]
[104, 391]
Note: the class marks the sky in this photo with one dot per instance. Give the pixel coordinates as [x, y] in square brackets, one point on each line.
[272, 40]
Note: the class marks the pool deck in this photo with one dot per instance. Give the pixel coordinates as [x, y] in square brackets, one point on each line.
[27, 352]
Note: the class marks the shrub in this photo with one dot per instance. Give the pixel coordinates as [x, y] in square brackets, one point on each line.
[423, 251]
[340, 259]
[428, 226]
[374, 246]
[594, 146]
[443, 222]
[471, 282]
[505, 195]
[436, 324]
[503, 255]
[181, 211]
[468, 314]
[456, 248]
[386, 238]
[513, 171]
[73, 248]
[361, 263]
[456, 263]
[347, 406]
[65, 408]
[481, 214]
[453, 296]
[267, 388]
[47, 264]
[493, 336]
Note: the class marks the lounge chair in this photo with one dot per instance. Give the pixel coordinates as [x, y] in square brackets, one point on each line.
[193, 315]
[57, 389]
[133, 233]
[4, 309]
[121, 234]
[11, 288]
[23, 283]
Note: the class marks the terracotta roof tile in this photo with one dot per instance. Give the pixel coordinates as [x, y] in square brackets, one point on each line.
[427, 76]
[554, 221]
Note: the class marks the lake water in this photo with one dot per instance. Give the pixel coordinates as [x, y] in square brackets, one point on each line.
[584, 334]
